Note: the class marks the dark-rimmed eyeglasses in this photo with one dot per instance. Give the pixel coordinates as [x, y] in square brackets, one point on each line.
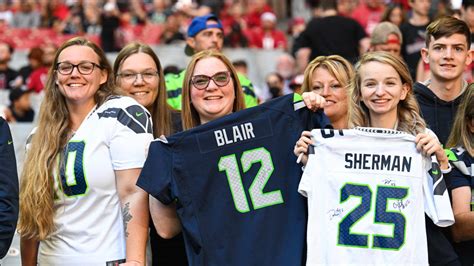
[130, 77]
[85, 68]
[201, 82]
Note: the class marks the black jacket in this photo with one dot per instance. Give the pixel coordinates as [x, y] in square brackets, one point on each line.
[8, 189]
[438, 114]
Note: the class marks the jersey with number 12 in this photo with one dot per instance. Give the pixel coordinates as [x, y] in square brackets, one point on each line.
[367, 193]
[235, 183]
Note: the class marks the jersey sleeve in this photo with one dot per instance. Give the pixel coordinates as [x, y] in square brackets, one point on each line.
[156, 175]
[459, 176]
[437, 203]
[8, 189]
[130, 137]
[456, 179]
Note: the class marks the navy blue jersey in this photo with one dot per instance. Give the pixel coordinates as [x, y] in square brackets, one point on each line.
[235, 181]
[462, 175]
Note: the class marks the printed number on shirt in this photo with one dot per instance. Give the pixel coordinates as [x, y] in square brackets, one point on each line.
[260, 199]
[385, 195]
[73, 179]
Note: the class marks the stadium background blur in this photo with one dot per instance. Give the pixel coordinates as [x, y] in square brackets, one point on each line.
[259, 32]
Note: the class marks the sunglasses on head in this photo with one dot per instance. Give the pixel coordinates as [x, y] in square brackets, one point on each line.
[201, 82]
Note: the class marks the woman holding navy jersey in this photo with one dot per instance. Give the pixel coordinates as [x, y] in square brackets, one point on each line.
[198, 169]
[211, 89]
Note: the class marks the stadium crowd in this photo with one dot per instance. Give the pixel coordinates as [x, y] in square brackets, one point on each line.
[403, 67]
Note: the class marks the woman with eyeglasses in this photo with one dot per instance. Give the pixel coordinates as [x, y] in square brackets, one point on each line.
[138, 72]
[210, 89]
[79, 202]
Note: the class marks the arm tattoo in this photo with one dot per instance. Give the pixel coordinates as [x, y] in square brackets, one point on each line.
[126, 217]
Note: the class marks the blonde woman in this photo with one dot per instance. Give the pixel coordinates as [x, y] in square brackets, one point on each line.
[381, 98]
[460, 179]
[79, 202]
[328, 77]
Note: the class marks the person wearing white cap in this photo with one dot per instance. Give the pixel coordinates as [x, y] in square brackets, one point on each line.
[267, 36]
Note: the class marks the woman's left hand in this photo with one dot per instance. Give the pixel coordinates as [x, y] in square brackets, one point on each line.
[428, 145]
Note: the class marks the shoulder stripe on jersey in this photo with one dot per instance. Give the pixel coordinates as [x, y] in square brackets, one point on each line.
[297, 98]
[114, 97]
[438, 182]
[298, 101]
[174, 93]
[134, 117]
[109, 113]
[463, 168]
[311, 149]
[28, 140]
[451, 155]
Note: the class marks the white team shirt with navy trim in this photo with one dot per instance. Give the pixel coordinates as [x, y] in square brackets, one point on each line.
[88, 218]
[368, 190]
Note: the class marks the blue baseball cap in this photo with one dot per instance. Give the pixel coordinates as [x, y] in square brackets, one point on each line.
[199, 24]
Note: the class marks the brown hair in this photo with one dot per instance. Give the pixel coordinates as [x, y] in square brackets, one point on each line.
[409, 119]
[37, 184]
[160, 110]
[189, 115]
[445, 27]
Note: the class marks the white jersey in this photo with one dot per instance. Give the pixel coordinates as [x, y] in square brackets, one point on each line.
[367, 189]
[88, 218]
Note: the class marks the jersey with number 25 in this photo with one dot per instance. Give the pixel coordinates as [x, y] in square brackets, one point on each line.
[235, 180]
[367, 192]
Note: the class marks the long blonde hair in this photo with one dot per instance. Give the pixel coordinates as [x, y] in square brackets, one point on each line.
[37, 184]
[461, 135]
[189, 115]
[160, 110]
[336, 65]
[408, 111]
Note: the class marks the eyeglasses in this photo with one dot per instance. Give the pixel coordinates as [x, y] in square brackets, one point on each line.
[201, 82]
[85, 68]
[131, 77]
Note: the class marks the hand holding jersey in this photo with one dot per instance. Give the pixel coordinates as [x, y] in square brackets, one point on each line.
[313, 101]
[381, 97]
[235, 186]
[351, 171]
[325, 86]
[428, 144]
